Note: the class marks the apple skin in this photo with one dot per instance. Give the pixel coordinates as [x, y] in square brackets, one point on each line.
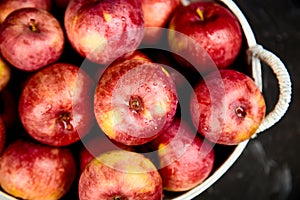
[102, 31]
[185, 160]
[5, 73]
[31, 38]
[157, 14]
[29, 170]
[2, 134]
[55, 106]
[227, 107]
[120, 175]
[8, 6]
[134, 100]
[218, 34]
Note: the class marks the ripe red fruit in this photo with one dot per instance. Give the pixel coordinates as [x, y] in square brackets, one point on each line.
[102, 31]
[55, 106]
[134, 101]
[227, 107]
[31, 38]
[185, 160]
[209, 28]
[8, 6]
[120, 175]
[30, 170]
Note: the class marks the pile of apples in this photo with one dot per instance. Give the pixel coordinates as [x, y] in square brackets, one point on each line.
[119, 99]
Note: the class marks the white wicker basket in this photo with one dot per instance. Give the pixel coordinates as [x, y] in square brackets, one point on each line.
[256, 54]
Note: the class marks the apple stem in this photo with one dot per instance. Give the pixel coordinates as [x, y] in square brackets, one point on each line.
[64, 120]
[33, 25]
[200, 14]
[136, 104]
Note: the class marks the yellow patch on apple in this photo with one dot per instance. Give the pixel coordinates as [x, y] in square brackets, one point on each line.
[93, 41]
[107, 17]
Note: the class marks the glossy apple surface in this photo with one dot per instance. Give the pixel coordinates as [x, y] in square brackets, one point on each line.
[31, 38]
[212, 29]
[102, 31]
[30, 170]
[185, 160]
[8, 6]
[120, 175]
[227, 107]
[135, 100]
[55, 106]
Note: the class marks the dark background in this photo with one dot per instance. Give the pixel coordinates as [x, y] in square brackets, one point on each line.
[269, 168]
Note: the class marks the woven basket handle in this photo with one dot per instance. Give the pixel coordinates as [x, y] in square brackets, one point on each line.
[284, 83]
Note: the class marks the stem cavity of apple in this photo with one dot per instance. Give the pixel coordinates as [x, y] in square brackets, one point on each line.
[64, 120]
[117, 198]
[136, 104]
[240, 112]
[33, 25]
[200, 14]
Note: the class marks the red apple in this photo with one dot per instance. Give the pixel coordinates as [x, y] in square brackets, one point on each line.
[31, 38]
[120, 175]
[4, 73]
[185, 160]
[8, 6]
[102, 31]
[227, 107]
[134, 101]
[30, 170]
[55, 106]
[2, 134]
[157, 14]
[211, 29]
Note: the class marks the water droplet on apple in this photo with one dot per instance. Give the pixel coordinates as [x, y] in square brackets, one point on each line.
[148, 89]
[49, 107]
[123, 18]
[154, 84]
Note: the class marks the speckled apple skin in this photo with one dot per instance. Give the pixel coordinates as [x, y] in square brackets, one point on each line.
[54, 90]
[123, 174]
[214, 104]
[136, 77]
[185, 160]
[104, 30]
[8, 6]
[28, 50]
[218, 36]
[30, 170]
